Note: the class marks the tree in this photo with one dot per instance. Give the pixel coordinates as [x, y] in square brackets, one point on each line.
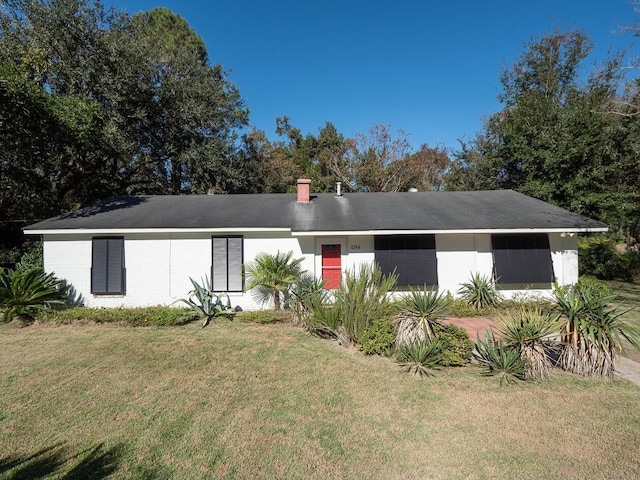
[272, 275]
[196, 110]
[423, 169]
[554, 138]
[373, 157]
[96, 103]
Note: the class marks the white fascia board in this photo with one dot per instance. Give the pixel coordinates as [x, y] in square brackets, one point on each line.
[446, 232]
[125, 231]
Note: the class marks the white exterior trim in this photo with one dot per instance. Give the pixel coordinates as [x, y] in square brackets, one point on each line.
[127, 231]
[449, 232]
[337, 233]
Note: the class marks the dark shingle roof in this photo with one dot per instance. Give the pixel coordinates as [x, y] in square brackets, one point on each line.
[435, 211]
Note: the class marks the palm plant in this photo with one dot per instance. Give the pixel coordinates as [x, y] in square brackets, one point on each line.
[302, 292]
[529, 331]
[271, 276]
[23, 292]
[325, 319]
[592, 331]
[207, 304]
[499, 360]
[420, 313]
[480, 292]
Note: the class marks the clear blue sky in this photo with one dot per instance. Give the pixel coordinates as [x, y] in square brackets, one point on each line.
[429, 67]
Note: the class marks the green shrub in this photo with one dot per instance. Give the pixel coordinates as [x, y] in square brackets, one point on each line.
[138, 317]
[457, 348]
[499, 360]
[265, 316]
[26, 291]
[378, 338]
[598, 257]
[596, 286]
[480, 292]
[460, 308]
[420, 357]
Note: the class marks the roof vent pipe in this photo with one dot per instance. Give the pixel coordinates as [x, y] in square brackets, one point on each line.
[338, 189]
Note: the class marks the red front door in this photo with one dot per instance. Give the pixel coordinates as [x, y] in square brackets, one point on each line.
[331, 266]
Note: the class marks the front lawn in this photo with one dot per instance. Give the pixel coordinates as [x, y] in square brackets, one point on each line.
[629, 293]
[242, 400]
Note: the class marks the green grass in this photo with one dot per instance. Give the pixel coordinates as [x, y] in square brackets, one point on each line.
[247, 400]
[630, 296]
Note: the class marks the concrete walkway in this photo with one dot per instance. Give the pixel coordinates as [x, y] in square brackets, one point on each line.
[475, 327]
[629, 370]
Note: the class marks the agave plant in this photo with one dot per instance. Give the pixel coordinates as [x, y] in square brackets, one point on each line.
[421, 357]
[271, 276]
[592, 331]
[530, 332]
[420, 313]
[499, 360]
[206, 304]
[23, 292]
[480, 292]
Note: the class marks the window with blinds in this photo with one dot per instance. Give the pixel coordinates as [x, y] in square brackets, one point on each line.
[108, 273]
[522, 258]
[412, 257]
[226, 268]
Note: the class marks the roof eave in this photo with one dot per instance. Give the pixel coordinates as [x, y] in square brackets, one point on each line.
[448, 232]
[125, 231]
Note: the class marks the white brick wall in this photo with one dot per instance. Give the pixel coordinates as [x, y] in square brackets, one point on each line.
[159, 265]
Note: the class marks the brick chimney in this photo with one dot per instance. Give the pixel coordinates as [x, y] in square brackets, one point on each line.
[304, 185]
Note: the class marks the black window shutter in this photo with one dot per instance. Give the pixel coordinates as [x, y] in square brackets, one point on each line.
[412, 257]
[235, 264]
[99, 255]
[226, 268]
[107, 266]
[522, 258]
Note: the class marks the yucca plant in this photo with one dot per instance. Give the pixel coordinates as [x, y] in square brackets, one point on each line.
[270, 276]
[25, 291]
[592, 331]
[206, 304]
[530, 331]
[499, 360]
[421, 357]
[420, 313]
[480, 292]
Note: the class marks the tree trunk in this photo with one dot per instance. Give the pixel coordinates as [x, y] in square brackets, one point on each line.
[276, 299]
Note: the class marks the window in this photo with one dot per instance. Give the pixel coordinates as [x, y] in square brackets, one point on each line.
[107, 266]
[226, 270]
[413, 257]
[522, 258]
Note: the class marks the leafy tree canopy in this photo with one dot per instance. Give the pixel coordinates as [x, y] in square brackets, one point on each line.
[94, 102]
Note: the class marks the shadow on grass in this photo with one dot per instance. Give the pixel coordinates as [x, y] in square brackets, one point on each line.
[58, 460]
